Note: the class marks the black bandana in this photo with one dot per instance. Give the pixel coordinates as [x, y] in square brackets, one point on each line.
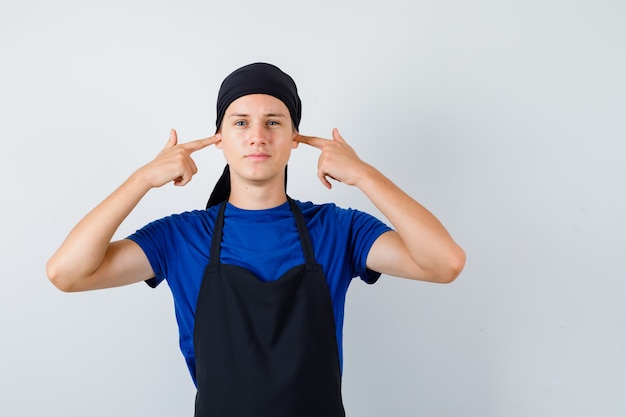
[258, 78]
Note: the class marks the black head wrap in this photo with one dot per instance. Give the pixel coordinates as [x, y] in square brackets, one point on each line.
[258, 78]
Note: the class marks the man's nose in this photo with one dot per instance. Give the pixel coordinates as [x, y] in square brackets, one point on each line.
[258, 133]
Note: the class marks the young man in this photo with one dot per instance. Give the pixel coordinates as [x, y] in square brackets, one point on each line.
[259, 280]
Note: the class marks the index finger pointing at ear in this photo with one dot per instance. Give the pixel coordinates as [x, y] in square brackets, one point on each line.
[196, 145]
[311, 140]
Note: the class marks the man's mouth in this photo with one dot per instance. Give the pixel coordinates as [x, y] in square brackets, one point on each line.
[257, 156]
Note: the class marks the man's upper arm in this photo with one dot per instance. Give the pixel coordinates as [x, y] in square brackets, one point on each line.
[389, 255]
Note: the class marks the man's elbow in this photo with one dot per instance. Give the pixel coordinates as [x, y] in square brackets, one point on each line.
[58, 278]
[454, 266]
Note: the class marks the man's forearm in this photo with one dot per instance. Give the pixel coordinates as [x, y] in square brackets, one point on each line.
[426, 239]
[84, 248]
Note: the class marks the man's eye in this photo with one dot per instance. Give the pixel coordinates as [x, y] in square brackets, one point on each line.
[240, 123]
[273, 123]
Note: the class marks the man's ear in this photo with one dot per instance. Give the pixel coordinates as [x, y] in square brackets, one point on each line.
[218, 144]
[295, 143]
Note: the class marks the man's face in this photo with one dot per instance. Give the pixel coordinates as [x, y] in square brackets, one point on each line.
[257, 137]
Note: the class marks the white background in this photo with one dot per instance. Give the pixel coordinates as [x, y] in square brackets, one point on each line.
[504, 118]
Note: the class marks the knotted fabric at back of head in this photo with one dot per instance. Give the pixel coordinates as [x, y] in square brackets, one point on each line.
[257, 78]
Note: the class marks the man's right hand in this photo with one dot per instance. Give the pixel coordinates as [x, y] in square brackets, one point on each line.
[174, 162]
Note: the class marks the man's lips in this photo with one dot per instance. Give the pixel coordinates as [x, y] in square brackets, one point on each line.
[257, 156]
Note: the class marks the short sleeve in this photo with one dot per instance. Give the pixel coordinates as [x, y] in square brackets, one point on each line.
[167, 240]
[365, 230]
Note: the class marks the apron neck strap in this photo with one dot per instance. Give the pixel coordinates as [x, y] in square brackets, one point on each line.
[305, 238]
[216, 239]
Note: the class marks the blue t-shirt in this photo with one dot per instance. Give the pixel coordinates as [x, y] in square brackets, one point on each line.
[267, 243]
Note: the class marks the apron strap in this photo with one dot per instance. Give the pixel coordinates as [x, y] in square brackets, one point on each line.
[305, 238]
[216, 239]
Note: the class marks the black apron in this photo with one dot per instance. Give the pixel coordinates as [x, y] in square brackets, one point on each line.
[266, 349]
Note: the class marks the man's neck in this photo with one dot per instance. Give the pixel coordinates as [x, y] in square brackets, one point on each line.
[257, 197]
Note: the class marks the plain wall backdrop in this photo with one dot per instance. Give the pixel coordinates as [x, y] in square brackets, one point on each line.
[505, 118]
